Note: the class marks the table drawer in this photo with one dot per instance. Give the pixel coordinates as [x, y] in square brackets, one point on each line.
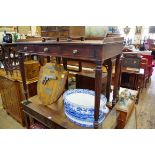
[78, 52]
[40, 49]
[47, 49]
[26, 48]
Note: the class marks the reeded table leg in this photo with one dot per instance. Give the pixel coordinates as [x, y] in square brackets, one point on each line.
[22, 70]
[109, 76]
[116, 81]
[98, 87]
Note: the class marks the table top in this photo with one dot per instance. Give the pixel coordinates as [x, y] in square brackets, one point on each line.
[87, 50]
[73, 42]
[146, 52]
[132, 71]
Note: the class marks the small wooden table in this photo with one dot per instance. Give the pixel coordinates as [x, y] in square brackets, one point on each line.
[96, 51]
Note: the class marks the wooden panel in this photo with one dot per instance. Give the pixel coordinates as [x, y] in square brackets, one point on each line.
[55, 31]
[24, 29]
[11, 99]
[77, 31]
[76, 51]
[7, 28]
[31, 69]
[51, 84]
[32, 90]
[86, 80]
[12, 94]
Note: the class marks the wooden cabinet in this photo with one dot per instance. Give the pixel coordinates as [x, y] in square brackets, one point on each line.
[31, 69]
[11, 98]
[62, 31]
[55, 31]
[12, 94]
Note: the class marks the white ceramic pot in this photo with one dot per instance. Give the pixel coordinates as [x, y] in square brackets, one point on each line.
[79, 106]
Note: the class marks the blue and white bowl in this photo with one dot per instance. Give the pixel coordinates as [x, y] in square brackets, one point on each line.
[79, 107]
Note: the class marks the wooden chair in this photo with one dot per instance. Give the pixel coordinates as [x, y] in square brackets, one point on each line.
[150, 60]
[144, 65]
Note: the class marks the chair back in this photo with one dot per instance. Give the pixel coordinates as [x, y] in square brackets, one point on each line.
[144, 65]
[150, 43]
[149, 58]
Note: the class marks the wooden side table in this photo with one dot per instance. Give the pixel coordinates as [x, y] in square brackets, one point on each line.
[95, 51]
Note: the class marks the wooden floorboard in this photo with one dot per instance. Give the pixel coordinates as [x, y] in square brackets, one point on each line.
[146, 106]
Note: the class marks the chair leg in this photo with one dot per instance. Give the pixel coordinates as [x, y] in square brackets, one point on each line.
[145, 82]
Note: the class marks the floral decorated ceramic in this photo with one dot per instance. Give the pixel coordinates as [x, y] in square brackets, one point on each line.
[79, 107]
[126, 95]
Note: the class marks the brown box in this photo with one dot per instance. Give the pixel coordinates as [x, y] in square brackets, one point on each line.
[31, 69]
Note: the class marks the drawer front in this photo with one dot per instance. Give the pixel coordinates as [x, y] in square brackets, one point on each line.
[78, 52]
[25, 48]
[41, 49]
[47, 49]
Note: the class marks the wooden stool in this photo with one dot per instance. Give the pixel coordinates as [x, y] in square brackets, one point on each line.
[124, 110]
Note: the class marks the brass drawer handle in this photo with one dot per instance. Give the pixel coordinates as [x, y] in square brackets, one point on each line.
[45, 49]
[25, 48]
[75, 51]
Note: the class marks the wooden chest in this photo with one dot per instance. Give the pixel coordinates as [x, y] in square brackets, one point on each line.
[31, 69]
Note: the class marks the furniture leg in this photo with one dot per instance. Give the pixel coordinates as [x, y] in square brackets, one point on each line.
[27, 120]
[22, 70]
[116, 81]
[58, 60]
[80, 66]
[41, 60]
[109, 76]
[48, 59]
[65, 65]
[138, 87]
[98, 87]
[64, 61]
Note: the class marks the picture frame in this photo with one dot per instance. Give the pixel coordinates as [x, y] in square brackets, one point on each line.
[138, 30]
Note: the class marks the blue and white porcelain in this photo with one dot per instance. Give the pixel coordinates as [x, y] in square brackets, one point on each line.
[79, 107]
